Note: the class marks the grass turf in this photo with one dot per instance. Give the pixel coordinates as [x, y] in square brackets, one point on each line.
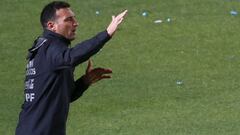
[199, 47]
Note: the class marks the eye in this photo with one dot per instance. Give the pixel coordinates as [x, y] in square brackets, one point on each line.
[69, 19]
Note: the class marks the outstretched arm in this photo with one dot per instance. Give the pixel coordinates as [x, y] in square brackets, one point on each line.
[66, 57]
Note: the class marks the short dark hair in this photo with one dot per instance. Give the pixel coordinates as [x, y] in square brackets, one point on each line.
[49, 11]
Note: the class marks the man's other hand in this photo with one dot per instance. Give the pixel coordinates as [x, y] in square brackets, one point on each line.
[96, 74]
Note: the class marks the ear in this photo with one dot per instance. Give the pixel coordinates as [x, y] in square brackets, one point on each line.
[51, 26]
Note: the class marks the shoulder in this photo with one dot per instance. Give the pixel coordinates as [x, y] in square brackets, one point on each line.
[55, 46]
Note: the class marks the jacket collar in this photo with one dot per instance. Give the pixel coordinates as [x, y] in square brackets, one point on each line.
[48, 33]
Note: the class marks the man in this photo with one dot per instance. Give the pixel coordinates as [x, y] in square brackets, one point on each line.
[49, 83]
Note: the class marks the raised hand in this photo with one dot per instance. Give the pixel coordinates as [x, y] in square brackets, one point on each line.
[112, 27]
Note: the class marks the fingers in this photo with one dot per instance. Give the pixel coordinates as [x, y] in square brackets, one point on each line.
[120, 21]
[100, 78]
[122, 14]
[101, 71]
[97, 74]
[125, 12]
[89, 67]
[106, 76]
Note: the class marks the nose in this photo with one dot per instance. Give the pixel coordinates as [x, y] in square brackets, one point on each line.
[75, 23]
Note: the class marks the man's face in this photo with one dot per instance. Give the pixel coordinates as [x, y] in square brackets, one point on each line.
[65, 23]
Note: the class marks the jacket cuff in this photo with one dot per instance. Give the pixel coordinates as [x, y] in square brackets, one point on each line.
[81, 84]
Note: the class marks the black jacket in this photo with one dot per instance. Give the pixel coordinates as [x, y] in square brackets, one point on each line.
[49, 83]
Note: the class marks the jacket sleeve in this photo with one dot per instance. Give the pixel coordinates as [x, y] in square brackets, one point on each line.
[80, 87]
[65, 57]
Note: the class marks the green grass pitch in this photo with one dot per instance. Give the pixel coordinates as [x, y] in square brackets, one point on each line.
[173, 78]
